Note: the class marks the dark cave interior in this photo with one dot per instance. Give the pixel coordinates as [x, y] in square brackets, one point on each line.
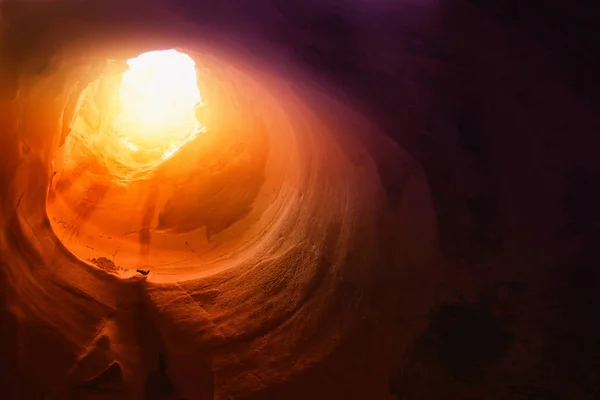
[391, 200]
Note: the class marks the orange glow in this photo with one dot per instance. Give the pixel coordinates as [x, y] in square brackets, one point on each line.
[158, 94]
[131, 122]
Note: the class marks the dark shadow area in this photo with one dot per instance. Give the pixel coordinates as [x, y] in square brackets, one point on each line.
[568, 29]
[467, 338]
[158, 385]
[109, 380]
[573, 349]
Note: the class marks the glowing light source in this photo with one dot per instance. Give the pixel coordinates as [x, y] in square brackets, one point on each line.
[159, 94]
[131, 122]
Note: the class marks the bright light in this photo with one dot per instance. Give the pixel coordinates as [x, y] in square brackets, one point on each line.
[132, 121]
[159, 95]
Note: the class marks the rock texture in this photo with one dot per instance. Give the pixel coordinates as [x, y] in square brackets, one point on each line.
[392, 200]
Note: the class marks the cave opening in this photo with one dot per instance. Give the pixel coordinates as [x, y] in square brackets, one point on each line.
[140, 184]
[262, 241]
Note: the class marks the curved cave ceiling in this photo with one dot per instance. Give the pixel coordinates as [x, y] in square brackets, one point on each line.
[369, 193]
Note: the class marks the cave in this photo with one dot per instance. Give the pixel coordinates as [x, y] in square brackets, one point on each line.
[291, 200]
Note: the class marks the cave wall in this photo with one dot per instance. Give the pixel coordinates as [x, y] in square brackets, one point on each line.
[496, 106]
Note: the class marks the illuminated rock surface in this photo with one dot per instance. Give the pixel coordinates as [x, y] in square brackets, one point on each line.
[291, 250]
